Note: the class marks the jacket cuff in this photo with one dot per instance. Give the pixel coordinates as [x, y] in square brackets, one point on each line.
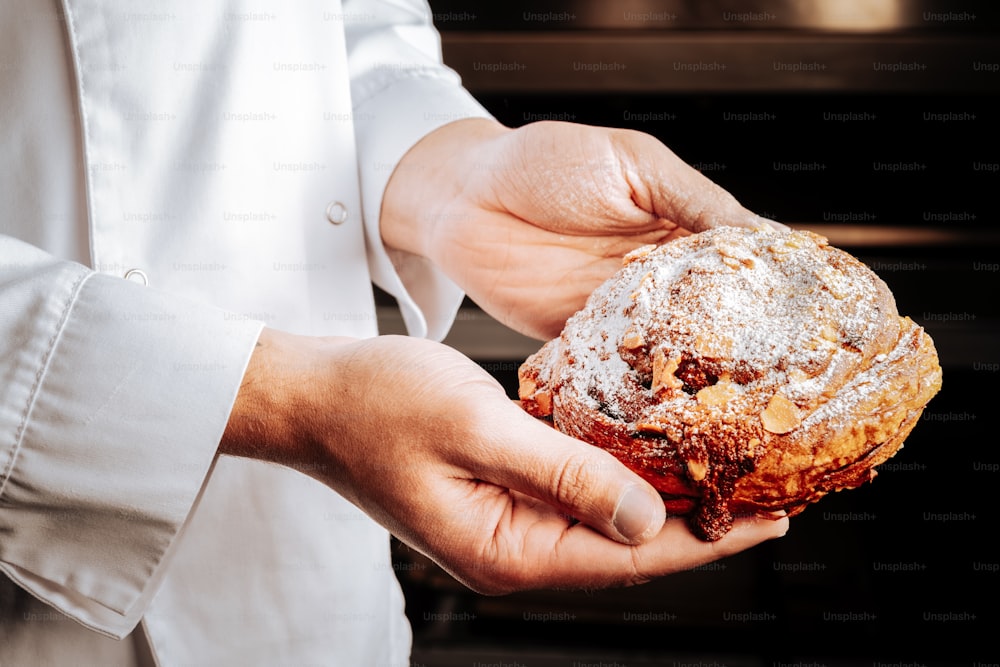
[388, 124]
[118, 401]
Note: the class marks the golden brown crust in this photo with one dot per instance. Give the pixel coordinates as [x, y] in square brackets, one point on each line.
[739, 371]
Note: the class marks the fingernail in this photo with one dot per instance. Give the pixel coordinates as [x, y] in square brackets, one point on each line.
[778, 518]
[774, 224]
[757, 221]
[635, 513]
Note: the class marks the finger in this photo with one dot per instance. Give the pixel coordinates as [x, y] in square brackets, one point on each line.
[585, 559]
[579, 479]
[673, 190]
[685, 551]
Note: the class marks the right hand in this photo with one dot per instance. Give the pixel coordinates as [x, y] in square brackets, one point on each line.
[428, 444]
[530, 221]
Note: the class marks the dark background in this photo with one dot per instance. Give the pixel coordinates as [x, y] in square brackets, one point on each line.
[903, 571]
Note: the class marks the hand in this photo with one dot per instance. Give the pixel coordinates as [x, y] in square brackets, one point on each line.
[530, 221]
[428, 444]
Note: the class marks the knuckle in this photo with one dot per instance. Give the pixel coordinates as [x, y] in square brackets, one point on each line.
[573, 479]
[639, 574]
[496, 568]
[700, 217]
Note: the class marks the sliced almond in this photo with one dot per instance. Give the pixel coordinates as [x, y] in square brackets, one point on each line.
[543, 401]
[697, 470]
[713, 347]
[838, 290]
[731, 262]
[733, 256]
[537, 402]
[716, 394]
[797, 375]
[780, 415]
[830, 333]
[779, 250]
[833, 280]
[638, 253]
[663, 373]
[703, 345]
[650, 427]
[526, 387]
[633, 339]
[738, 262]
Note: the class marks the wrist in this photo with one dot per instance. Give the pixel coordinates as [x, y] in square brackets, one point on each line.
[430, 178]
[273, 418]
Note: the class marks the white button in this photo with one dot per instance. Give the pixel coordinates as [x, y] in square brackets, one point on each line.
[336, 212]
[137, 276]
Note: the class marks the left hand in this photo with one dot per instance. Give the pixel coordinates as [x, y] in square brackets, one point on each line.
[428, 444]
[530, 221]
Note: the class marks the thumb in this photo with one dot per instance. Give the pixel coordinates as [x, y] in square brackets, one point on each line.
[577, 478]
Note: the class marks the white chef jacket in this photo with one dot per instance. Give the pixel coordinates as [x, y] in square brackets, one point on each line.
[176, 175]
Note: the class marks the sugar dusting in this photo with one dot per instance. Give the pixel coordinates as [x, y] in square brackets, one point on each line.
[771, 311]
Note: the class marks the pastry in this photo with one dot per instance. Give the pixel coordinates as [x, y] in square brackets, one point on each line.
[739, 371]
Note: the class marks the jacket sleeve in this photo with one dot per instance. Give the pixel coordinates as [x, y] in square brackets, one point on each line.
[105, 386]
[401, 91]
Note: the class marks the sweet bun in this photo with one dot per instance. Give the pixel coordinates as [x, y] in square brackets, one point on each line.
[739, 371]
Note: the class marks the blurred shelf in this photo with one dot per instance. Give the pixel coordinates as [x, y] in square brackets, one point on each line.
[721, 61]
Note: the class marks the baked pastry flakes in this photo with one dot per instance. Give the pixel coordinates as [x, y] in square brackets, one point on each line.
[739, 372]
